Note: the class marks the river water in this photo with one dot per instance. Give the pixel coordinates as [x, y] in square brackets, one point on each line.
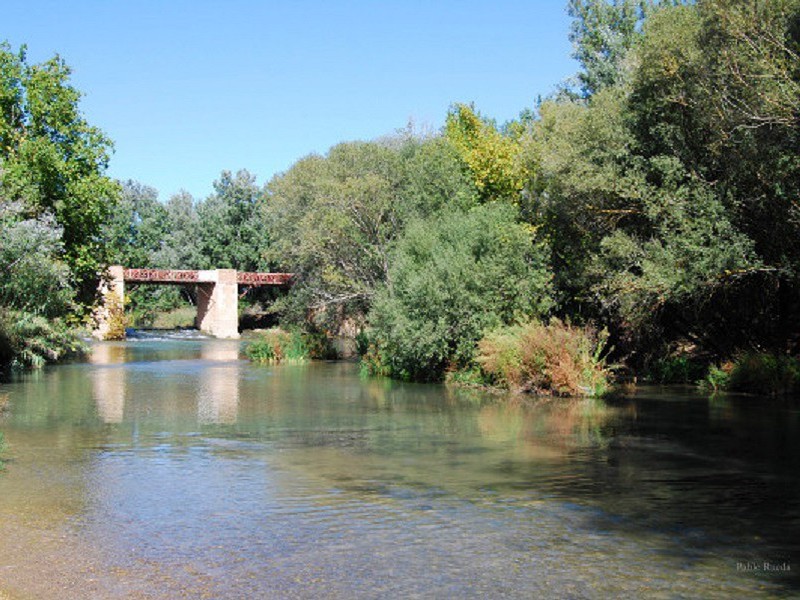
[173, 468]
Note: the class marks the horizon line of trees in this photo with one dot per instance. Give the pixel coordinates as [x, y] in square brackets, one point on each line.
[657, 195]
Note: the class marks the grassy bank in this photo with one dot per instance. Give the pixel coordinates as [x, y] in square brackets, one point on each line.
[278, 346]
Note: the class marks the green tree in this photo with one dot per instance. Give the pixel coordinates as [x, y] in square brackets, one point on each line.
[452, 279]
[138, 228]
[667, 195]
[232, 234]
[333, 219]
[53, 160]
[34, 279]
[602, 33]
[181, 248]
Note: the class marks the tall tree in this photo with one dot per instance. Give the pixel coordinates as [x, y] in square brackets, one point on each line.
[52, 159]
[138, 228]
[602, 34]
[334, 219]
[181, 248]
[232, 234]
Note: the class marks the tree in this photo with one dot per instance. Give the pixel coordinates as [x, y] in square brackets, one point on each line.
[231, 234]
[602, 33]
[53, 160]
[452, 279]
[667, 194]
[490, 157]
[138, 228]
[181, 248]
[34, 279]
[333, 219]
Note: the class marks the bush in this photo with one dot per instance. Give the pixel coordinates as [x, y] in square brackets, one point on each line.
[34, 279]
[29, 341]
[675, 369]
[757, 373]
[450, 280]
[717, 379]
[276, 345]
[557, 359]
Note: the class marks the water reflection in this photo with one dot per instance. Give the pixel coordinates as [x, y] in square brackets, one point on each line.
[192, 472]
[214, 387]
[218, 388]
[109, 384]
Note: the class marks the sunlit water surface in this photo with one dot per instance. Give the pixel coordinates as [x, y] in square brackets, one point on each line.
[168, 468]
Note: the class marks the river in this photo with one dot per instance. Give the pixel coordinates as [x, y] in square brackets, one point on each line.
[172, 468]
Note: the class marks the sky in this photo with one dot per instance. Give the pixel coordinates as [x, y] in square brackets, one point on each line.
[188, 88]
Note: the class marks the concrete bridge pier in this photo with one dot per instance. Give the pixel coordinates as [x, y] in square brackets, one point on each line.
[218, 303]
[109, 315]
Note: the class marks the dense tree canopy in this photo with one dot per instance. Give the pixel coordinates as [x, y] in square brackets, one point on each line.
[334, 218]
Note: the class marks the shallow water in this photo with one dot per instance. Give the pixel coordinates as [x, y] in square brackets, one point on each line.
[168, 468]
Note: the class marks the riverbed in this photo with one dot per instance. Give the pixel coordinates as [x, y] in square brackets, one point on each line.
[169, 467]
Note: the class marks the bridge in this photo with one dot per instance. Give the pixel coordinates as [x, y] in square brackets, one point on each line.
[217, 294]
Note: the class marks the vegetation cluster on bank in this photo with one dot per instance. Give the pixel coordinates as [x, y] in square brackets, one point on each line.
[645, 214]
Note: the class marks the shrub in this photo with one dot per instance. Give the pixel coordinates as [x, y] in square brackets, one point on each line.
[29, 341]
[757, 373]
[116, 320]
[557, 359]
[276, 345]
[451, 279]
[675, 369]
[717, 378]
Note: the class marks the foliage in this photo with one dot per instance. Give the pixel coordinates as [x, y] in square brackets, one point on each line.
[717, 378]
[52, 160]
[28, 340]
[115, 318]
[676, 369]
[668, 193]
[277, 345]
[333, 219]
[137, 228]
[602, 33]
[491, 158]
[176, 318]
[557, 359]
[232, 234]
[451, 279]
[757, 373]
[34, 279]
[181, 249]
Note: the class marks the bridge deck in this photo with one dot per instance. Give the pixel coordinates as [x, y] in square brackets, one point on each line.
[182, 276]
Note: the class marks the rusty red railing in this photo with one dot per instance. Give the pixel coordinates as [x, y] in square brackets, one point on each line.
[178, 276]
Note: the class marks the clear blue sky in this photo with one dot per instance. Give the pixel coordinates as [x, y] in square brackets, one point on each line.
[187, 88]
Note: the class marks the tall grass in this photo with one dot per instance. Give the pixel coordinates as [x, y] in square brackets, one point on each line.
[277, 345]
[557, 359]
